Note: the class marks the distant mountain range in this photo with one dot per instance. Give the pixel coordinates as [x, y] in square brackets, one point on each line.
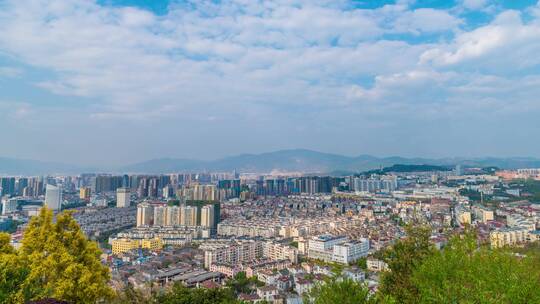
[301, 160]
[298, 160]
[13, 166]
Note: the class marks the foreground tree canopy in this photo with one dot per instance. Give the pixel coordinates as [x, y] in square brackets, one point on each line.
[182, 295]
[462, 272]
[343, 291]
[403, 259]
[55, 261]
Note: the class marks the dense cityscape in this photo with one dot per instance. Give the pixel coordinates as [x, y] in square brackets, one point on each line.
[289, 232]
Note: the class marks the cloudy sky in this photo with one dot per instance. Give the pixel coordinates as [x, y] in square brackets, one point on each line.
[118, 81]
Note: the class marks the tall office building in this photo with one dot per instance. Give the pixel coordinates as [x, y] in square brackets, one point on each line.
[84, 193]
[7, 186]
[53, 197]
[107, 183]
[458, 170]
[168, 192]
[145, 215]
[123, 197]
[21, 184]
[207, 216]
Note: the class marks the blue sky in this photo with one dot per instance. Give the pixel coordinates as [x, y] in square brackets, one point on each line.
[118, 81]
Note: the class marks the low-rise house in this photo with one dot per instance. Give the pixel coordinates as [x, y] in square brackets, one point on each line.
[283, 283]
[267, 293]
[354, 274]
[302, 286]
[292, 298]
[376, 265]
[250, 298]
[326, 270]
[268, 276]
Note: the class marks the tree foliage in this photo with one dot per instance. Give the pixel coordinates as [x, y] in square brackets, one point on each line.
[55, 261]
[240, 283]
[183, 295]
[362, 263]
[463, 273]
[131, 295]
[402, 259]
[344, 291]
[12, 273]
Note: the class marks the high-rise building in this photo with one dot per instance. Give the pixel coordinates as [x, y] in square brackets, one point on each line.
[168, 192]
[22, 183]
[458, 170]
[188, 216]
[160, 216]
[145, 215]
[207, 216]
[107, 183]
[53, 197]
[123, 197]
[7, 186]
[198, 206]
[9, 205]
[173, 216]
[84, 193]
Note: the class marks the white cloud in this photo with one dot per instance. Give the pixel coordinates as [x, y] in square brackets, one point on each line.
[505, 44]
[425, 20]
[10, 72]
[131, 59]
[243, 65]
[475, 4]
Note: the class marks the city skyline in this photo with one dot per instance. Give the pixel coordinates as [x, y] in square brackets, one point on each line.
[117, 82]
[283, 161]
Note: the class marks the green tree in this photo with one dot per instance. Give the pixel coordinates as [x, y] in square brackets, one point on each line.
[343, 291]
[403, 258]
[131, 295]
[12, 273]
[183, 295]
[5, 246]
[55, 261]
[362, 263]
[464, 273]
[240, 283]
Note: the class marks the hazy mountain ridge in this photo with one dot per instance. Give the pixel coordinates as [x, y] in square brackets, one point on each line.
[298, 160]
[14, 166]
[311, 161]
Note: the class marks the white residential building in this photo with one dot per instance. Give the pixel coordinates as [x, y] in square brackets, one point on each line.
[376, 265]
[53, 197]
[145, 215]
[173, 216]
[8, 205]
[188, 216]
[350, 251]
[123, 197]
[207, 216]
[160, 216]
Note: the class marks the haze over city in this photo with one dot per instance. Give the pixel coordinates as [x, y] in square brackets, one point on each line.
[117, 82]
